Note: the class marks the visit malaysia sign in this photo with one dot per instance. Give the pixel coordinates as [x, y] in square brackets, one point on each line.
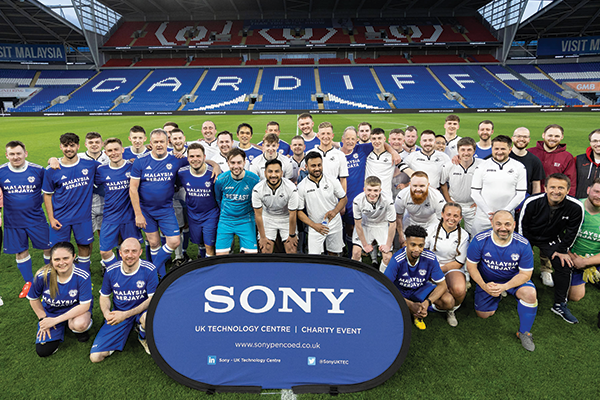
[312, 324]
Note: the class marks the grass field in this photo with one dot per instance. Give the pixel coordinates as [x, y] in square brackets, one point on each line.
[479, 359]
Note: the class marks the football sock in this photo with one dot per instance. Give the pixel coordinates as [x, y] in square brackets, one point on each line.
[84, 263]
[148, 251]
[109, 262]
[46, 260]
[160, 257]
[382, 267]
[201, 251]
[527, 314]
[25, 268]
[185, 240]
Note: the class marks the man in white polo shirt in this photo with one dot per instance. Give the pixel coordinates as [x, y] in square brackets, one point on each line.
[270, 149]
[380, 162]
[334, 161]
[427, 160]
[324, 198]
[275, 201]
[499, 183]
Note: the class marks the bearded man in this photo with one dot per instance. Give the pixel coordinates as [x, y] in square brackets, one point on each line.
[417, 204]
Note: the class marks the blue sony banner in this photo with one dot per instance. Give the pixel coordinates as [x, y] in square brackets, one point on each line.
[32, 52]
[568, 45]
[313, 324]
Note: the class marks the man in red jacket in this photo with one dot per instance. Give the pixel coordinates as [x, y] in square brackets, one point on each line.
[556, 159]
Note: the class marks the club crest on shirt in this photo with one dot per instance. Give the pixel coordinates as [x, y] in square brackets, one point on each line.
[355, 155]
[422, 272]
[326, 187]
[128, 174]
[31, 179]
[73, 292]
[207, 183]
[511, 171]
[140, 284]
[169, 166]
[514, 256]
[84, 171]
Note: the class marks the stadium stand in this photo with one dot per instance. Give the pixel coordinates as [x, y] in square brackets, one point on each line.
[224, 88]
[477, 86]
[298, 61]
[382, 60]
[414, 87]
[287, 88]
[475, 31]
[161, 62]
[125, 34]
[482, 58]
[99, 93]
[567, 72]
[437, 59]
[516, 84]
[537, 77]
[162, 90]
[266, 37]
[216, 61]
[53, 84]
[330, 61]
[118, 62]
[16, 77]
[350, 88]
[262, 62]
[148, 37]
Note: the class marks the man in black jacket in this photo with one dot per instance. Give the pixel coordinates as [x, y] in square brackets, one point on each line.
[551, 221]
[588, 165]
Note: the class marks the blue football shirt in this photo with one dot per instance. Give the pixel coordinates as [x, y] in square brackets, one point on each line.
[235, 196]
[129, 290]
[117, 207]
[406, 276]
[76, 290]
[200, 192]
[23, 198]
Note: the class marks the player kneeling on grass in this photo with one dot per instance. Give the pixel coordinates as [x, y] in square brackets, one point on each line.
[66, 291]
[449, 243]
[417, 274]
[501, 260]
[130, 275]
[375, 222]
[275, 202]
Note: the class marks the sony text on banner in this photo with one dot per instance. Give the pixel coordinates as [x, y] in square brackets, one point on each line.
[272, 321]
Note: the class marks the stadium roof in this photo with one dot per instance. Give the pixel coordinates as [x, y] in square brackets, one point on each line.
[269, 9]
[29, 21]
[566, 18]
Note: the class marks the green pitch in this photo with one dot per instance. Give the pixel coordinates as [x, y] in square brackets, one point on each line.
[479, 359]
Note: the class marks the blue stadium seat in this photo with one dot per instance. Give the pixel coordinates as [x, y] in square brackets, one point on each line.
[287, 89]
[224, 89]
[350, 88]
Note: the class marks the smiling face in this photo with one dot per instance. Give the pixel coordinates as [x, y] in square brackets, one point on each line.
[556, 190]
[315, 167]
[419, 189]
[297, 146]
[465, 153]
[272, 129]
[114, 151]
[16, 156]
[427, 142]
[414, 248]
[451, 217]
[349, 140]
[364, 133]
[178, 141]
[594, 195]
[62, 261]
[273, 173]
[396, 141]
[94, 146]
[595, 143]
[485, 131]
[306, 125]
[270, 150]
[195, 158]
[451, 127]
[69, 150]
[503, 225]
[521, 138]
[440, 144]
[325, 136]
[372, 193]
[209, 130]
[500, 151]
[378, 141]
[224, 143]
[130, 251]
[552, 138]
[236, 166]
[244, 135]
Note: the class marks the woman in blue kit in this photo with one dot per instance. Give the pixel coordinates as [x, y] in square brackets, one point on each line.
[61, 295]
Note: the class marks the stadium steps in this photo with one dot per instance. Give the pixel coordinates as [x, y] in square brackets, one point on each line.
[134, 89]
[318, 86]
[579, 97]
[85, 83]
[502, 82]
[534, 86]
[256, 88]
[144, 33]
[35, 79]
[195, 88]
[381, 88]
[444, 86]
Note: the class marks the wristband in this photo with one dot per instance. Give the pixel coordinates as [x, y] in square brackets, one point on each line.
[40, 320]
[292, 236]
[430, 303]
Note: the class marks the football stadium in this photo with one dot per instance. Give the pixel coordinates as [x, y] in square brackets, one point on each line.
[302, 70]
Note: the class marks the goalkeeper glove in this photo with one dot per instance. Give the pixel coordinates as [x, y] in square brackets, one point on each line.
[591, 275]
